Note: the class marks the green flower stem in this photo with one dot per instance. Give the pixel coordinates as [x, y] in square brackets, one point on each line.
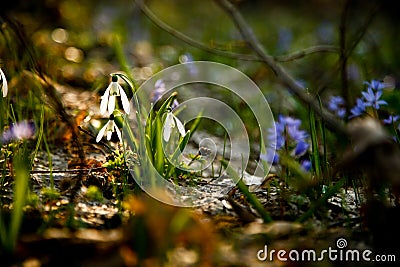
[314, 143]
[329, 192]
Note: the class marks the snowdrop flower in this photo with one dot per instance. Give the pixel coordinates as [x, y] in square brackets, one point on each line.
[18, 131]
[170, 122]
[110, 95]
[108, 129]
[4, 81]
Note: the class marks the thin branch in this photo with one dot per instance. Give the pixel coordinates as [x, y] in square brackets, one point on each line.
[332, 122]
[68, 170]
[355, 40]
[305, 52]
[245, 57]
[343, 56]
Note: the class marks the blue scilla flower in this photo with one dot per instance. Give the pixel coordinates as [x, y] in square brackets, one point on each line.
[288, 135]
[337, 105]
[157, 93]
[270, 156]
[375, 85]
[306, 165]
[300, 148]
[372, 98]
[391, 119]
[18, 131]
[358, 109]
[293, 131]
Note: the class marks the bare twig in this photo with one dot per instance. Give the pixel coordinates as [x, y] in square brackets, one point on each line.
[331, 121]
[354, 41]
[101, 142]
[343, 54]
[246, 57]
[69, 170]
[305, 52]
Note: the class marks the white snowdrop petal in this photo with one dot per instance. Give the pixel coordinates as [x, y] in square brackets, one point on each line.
[168, 125]
[166, 133]
[101, 133]
[109, 134]
[118, 131]
[104, 100]
[5, 85]
[111, 104]
[125, 101]
[180, 126]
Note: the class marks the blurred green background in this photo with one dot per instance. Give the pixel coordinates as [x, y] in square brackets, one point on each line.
[74, 40]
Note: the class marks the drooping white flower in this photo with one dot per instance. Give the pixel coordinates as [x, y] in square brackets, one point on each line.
[108, 129]
[109, 98]
[4, 83]
[170, 122]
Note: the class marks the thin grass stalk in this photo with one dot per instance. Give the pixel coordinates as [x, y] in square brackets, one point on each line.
[314, 144]
[322, 128]
[320, 202]
[21, 167]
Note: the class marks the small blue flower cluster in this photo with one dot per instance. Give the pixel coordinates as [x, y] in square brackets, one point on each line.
[371, 97]
[289, 138]
[158, 92]
[18, 131]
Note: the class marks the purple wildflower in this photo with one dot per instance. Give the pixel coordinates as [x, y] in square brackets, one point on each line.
[292, 128]
[372, 99]
[159, 89]
[280, 129]
[301, 148]
[157, 93]
[391, 119]
[336, 104]
[375, 85]
[358, 109]
[287, 134]
[18, 131]
[306, 165]
[285, 37]
[270, 156]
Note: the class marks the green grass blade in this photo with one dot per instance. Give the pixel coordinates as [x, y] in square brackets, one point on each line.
[315, 205]
[314, 144]
[21, 167]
